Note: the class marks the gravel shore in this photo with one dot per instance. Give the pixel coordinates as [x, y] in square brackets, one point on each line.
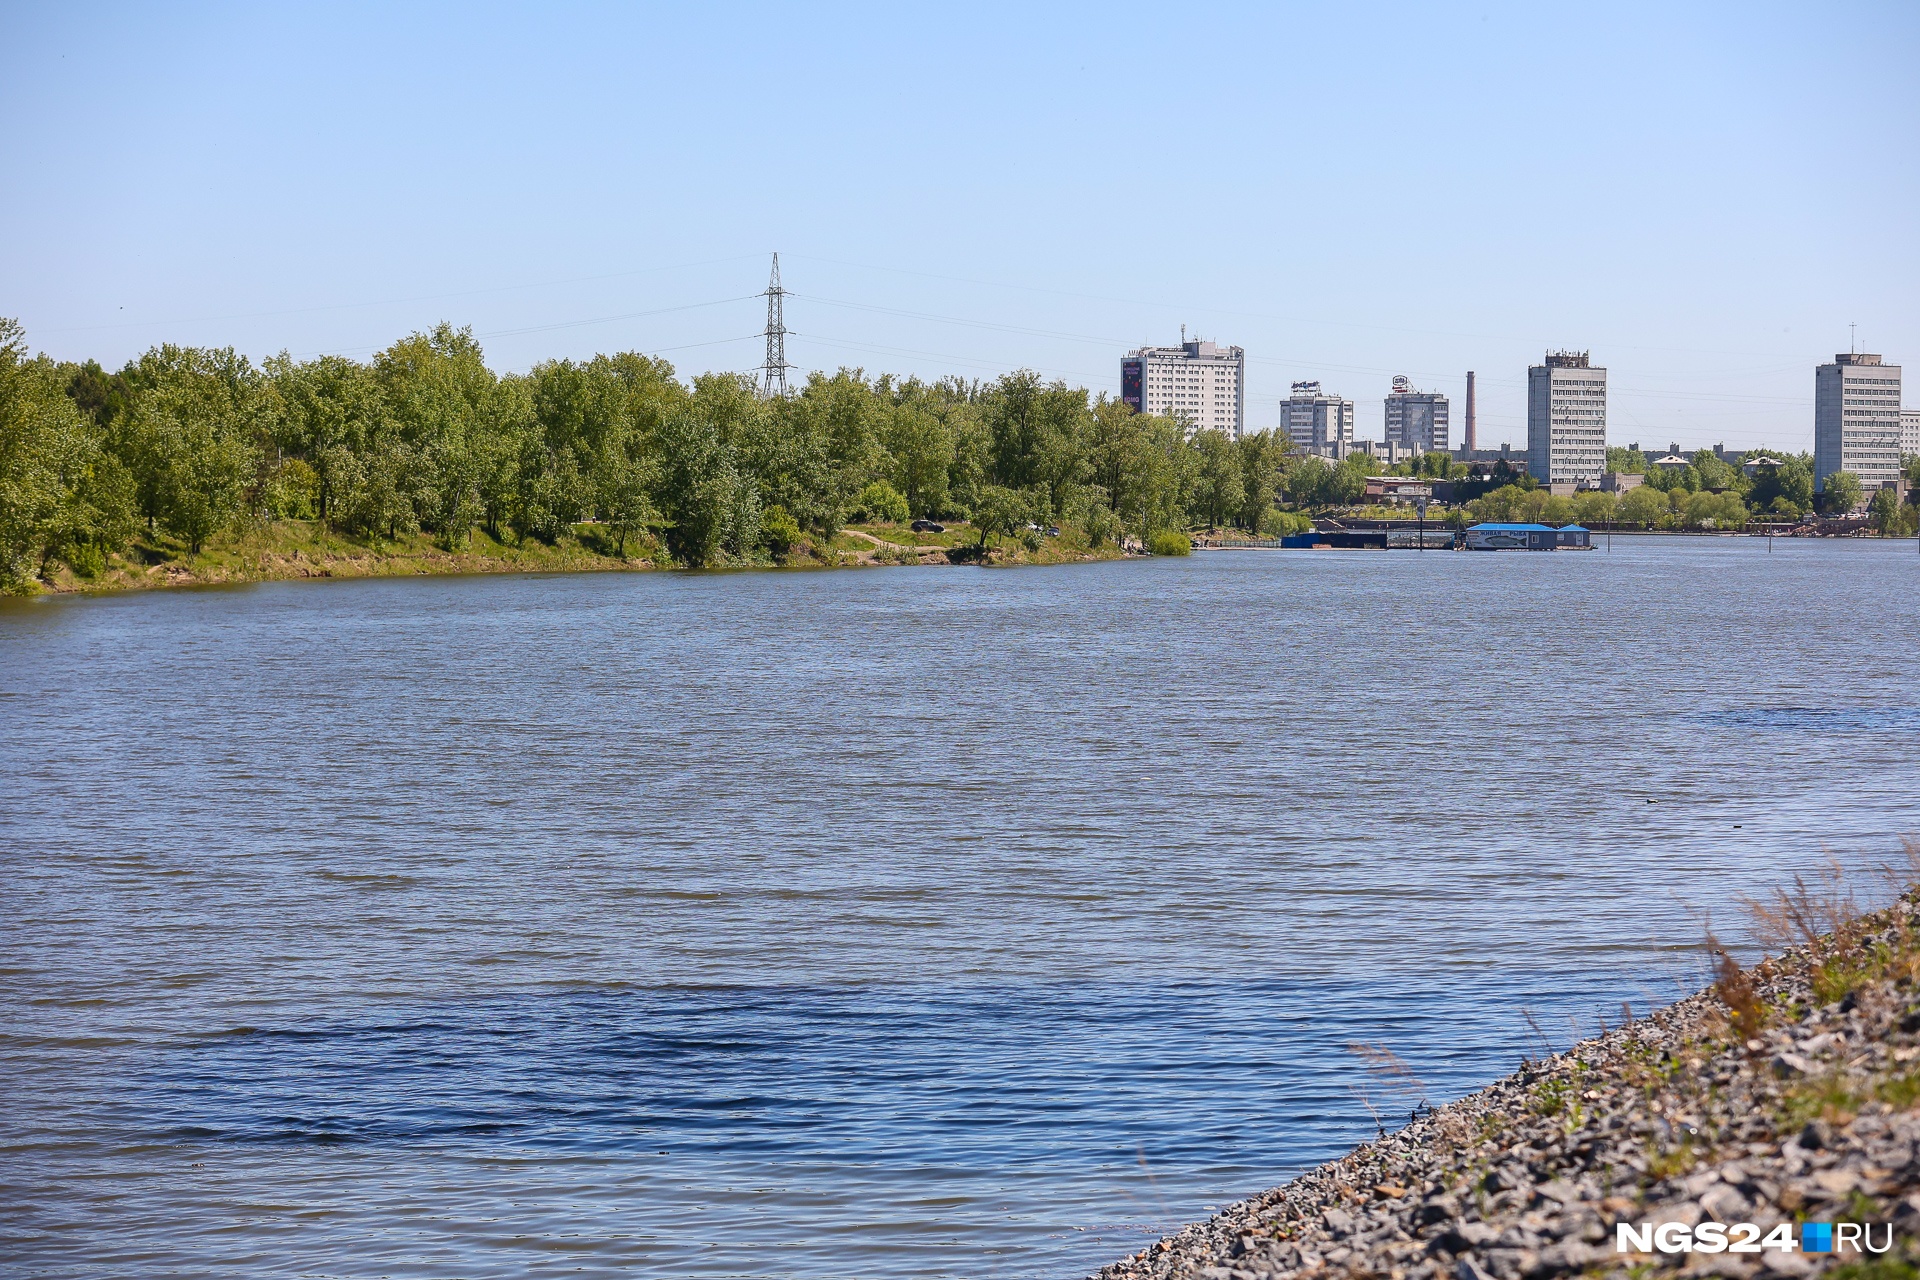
[1783, 1094]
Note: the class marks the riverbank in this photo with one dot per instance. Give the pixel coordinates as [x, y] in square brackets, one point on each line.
[1785, 1094]
[286, 550]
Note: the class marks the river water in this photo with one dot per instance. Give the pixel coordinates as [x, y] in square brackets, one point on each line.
[914, 922]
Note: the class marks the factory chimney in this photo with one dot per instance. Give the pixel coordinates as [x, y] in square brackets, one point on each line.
[1472, 443]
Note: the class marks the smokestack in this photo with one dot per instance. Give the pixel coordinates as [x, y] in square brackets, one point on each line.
[1472, 444]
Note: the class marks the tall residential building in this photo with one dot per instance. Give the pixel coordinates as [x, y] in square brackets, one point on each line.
[1416, 419]
[1203, 382]
[1317, 421]
[1909, 432]
[1856, 419]
[1566, 420]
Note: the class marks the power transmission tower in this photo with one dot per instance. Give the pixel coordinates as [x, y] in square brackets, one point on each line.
[773, 378]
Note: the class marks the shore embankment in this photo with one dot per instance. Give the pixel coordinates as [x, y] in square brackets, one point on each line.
[292, 549]
[1783, 1094]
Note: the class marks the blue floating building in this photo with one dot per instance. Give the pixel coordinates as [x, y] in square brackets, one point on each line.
[1528, 537]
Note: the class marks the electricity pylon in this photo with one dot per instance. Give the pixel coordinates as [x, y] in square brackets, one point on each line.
[773, 377]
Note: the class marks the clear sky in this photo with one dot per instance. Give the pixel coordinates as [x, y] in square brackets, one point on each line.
[1705, 196]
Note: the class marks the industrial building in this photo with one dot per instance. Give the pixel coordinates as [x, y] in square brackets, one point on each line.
[1416, 420]
[1856, 420]
[1318, 421]
[1566, 420]
[1201, 382]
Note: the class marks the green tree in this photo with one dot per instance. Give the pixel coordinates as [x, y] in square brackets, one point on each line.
[1790, 481]
[1165, 483]
[1308, 481]
[100, 395]
[1350, 479]
[919, 446]
[1498, 506]
[1643, 506]
[1102, 526]
[1626, 461]
[1708, 510]
[381, 502]
[202, 416]
[1119, 448]
[1001, 511]
[1260, 453]
[1039, 435]
[1842, 493]
[329, 409]
[1218, 489]
[813, 452]
[779, 531]
[710, 506]
[1170, 542]
[58, 493]
[881, 503]
[1715, 474]
[1594, 508]
[1884, 511]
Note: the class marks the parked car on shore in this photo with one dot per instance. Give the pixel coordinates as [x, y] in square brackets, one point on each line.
[928, 526]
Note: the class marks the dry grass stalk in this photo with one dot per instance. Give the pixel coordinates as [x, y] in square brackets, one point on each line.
[1807, 913]
[1388, 1072]
[1736, 991]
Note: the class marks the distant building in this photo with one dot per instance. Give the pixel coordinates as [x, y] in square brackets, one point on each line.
[1319, 422]
[1390, 489]
[1416, 420]
[1856, 420]
[1505, 453]
[1566, 420]
[1620, 482]
[1202, 382]
[1909, 431]
[1672, 462]
[1378, 450]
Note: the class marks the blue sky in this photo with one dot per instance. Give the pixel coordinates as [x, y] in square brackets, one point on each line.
[1705, 196]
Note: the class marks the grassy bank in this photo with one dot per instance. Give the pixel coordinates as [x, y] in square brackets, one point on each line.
[289, 549]
[1784, 1094]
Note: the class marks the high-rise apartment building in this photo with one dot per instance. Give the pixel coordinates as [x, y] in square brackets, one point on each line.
[1202, 382]
[1416, 420]
[1909, 432]
[1317, 421]
[1566, 420]
[1856, 419]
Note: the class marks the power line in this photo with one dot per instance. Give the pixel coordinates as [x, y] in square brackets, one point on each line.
[1261, 315]
[396, 302]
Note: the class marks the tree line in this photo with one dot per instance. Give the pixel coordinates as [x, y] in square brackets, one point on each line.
[186, 444]
[190, 443]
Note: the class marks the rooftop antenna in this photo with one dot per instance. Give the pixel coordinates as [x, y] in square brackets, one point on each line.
[1183, 335]
[1853, 340]
[773, 377]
